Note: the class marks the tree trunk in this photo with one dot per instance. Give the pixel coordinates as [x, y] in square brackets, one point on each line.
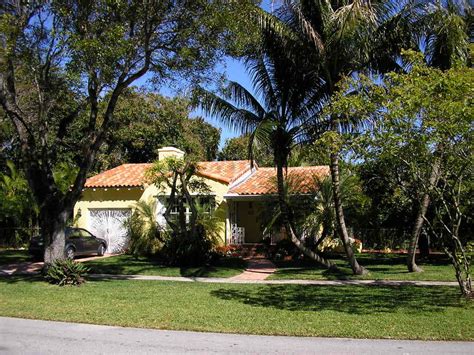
[341, 223]
[420, 218]
[53, 224]
[286, 215]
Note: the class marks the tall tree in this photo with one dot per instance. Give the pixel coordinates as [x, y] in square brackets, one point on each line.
[237, 148]
[337, 36]
[444, 31]
[88, 53]
[145, 122]
[411, 126]
[278, 116]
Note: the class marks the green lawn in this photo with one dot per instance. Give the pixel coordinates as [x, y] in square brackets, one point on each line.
[128, 265]
[381, 267]
[301, 310]
[9, 256]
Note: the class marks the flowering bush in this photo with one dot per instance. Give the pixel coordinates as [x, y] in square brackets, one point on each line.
[229, 250]
[356, 245]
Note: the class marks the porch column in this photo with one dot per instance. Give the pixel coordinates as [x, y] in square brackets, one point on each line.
[228, 231]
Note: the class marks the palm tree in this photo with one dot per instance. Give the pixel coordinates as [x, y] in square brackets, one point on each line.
[337, 35]
[277, 115]
[346, 37]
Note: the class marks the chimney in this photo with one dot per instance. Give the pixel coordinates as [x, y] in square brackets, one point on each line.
[167, 152]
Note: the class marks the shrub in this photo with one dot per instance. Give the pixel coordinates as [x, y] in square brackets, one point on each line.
[335, 245]
[65, 272]
[187, 250]
[146, 236]
[229, 251]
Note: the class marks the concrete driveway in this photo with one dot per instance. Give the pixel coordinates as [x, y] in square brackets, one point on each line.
[21, 336]
[34, 267]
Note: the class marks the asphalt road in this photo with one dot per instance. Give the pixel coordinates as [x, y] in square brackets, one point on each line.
[21, 336]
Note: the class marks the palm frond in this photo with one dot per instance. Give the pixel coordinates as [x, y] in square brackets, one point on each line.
[236, 118]
[447, 37]
[243, 98]
[307, 27]
[260, 136]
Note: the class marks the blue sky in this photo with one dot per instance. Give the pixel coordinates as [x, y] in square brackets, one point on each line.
[234, 70]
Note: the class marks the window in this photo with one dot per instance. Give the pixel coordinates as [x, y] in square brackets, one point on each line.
[205, 204]
[85, 234]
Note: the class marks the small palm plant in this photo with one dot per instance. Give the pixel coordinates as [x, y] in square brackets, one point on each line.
[146, 235]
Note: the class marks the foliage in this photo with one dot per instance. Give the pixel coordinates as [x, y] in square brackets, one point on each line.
[390, 205]
[146, 236]
[65, 272]
[335, 245]
[64, 64]
[188, 242]
[186, 250]
[18, 209]
[277, 116]
[423, 122]
[145, 122]
[238, 149]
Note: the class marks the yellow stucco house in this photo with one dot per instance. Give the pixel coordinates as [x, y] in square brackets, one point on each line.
[239, 190]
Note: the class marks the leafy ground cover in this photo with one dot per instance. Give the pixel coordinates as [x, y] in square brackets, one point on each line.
[301, 310]
[381, 267]
[9, 256]
[129, 265]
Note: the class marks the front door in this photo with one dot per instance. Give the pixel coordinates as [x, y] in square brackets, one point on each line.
[109, 224]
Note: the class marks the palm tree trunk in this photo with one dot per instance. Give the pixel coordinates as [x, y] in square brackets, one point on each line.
[420, 218]
[287, 220]
[341, 223]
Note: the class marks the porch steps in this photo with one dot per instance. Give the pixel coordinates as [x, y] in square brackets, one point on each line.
[254, 251]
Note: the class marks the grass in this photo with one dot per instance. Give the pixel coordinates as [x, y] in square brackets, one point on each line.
[380, 266]
[300, 310]
[129, 265]
[9, 256]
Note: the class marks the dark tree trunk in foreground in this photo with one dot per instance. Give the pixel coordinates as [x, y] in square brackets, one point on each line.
[53, 226]
[287, 220]
[420, 217]
[341, 223]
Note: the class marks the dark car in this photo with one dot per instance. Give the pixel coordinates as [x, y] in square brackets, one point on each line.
[78, 242]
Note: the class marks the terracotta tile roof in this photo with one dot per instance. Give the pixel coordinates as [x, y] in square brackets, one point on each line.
[132, 175]
[263, 180]
[126, 175]
[224, 171]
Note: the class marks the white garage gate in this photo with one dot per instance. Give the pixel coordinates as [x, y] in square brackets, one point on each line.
[109, 224]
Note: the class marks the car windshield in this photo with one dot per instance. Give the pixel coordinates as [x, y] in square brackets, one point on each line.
[69, 231]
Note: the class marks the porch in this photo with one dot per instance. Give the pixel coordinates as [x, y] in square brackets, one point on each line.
[246, 220]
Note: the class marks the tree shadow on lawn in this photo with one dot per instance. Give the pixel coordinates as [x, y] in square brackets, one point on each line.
[223, 264]
[12, 256]
[376, 263]
[346, 299]
[130, 265]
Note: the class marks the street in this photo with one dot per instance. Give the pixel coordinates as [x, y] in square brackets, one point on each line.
[21, 336]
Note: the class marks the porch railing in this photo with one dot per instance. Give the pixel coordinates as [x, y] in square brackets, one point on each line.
[237, 235]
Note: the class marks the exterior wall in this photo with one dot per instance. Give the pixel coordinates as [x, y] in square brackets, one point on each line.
[111, 198]
[218, 190]
[104, 198]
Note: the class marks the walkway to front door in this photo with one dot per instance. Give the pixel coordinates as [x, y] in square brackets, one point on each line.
[257, 269]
